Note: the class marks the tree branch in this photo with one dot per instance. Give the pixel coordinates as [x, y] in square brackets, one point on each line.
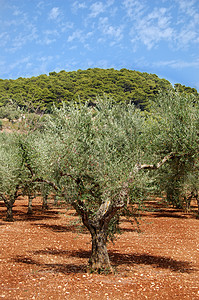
[30, 169]
[46, 181]
[139, 167]
[108, 209]
[3, 197]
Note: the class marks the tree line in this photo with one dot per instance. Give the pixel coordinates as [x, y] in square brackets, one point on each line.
[105, 161]
[44, 91]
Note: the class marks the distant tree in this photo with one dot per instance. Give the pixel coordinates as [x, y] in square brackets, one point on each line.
[185, 90]
[10, 112]
[176, 123]
[191, 189]
[22, 159]
[11, 172]
[45, 91]
[30, 190]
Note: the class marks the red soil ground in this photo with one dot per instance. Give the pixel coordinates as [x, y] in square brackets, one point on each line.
[45, 257]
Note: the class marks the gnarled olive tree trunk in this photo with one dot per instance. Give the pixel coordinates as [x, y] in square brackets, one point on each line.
[55, 199]
[99, 260]
[30, 198]
[9, 205]
[45, 202]
[9, 202]
[9, 213]
[197, 199]
[98, 225]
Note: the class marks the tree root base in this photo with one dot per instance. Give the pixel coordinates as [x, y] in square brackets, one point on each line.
[100, 270]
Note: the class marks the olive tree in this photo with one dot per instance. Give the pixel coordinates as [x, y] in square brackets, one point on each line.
[10, 111]
[36, 153]
[175, 128]
[190, 189]
[22, 160]
[97, 153]
[11, 171]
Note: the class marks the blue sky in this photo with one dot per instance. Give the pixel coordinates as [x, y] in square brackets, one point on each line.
[153, 36]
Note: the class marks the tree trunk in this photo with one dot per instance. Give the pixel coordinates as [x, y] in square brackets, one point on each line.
[55, 200]
[9, 212]
[197, 199]
[98, 225]
[45, 202]
[188, 203]
[99, 261]
[30, 198]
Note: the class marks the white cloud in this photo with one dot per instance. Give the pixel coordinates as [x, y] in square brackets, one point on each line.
[187, 7]
[40, 5]
[96, 8]
[80, 36]
[176, 64]
[103, 63]
[188, 23]
[148, 27]
[48, 41]
[153, 28]
[4, 38]
[113, 32]
[17, 67]
[48, 37]
[19, 62]
[176, 24]
[185, 37]
[54, 13]
[17, 12]
[22, 39]
[99, 7]
[75, 35]
[65, 26]
[45, 58]
[134, 8]
[78, 5]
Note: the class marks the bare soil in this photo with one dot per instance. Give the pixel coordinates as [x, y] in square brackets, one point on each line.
[44, 256]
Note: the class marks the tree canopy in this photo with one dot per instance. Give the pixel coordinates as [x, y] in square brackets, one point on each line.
[81, 86]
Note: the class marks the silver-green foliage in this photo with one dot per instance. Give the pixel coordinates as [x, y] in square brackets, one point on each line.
[11, 170]
[177, 123]
[95, 150]
[176, 129]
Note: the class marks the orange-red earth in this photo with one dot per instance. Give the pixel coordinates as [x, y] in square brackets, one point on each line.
[45, 256]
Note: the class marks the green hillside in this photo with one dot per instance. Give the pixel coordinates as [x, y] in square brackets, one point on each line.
[84, 85]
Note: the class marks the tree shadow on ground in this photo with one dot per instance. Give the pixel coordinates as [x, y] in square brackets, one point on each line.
[164, 210]
[54, 268]
[117, 259]
[153, 260]
[135, 230]
[67, 253]
[38, 215]
[79, 228]
[172, 214]
[76, 228]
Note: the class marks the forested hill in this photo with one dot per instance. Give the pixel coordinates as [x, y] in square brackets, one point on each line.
[83, 85]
